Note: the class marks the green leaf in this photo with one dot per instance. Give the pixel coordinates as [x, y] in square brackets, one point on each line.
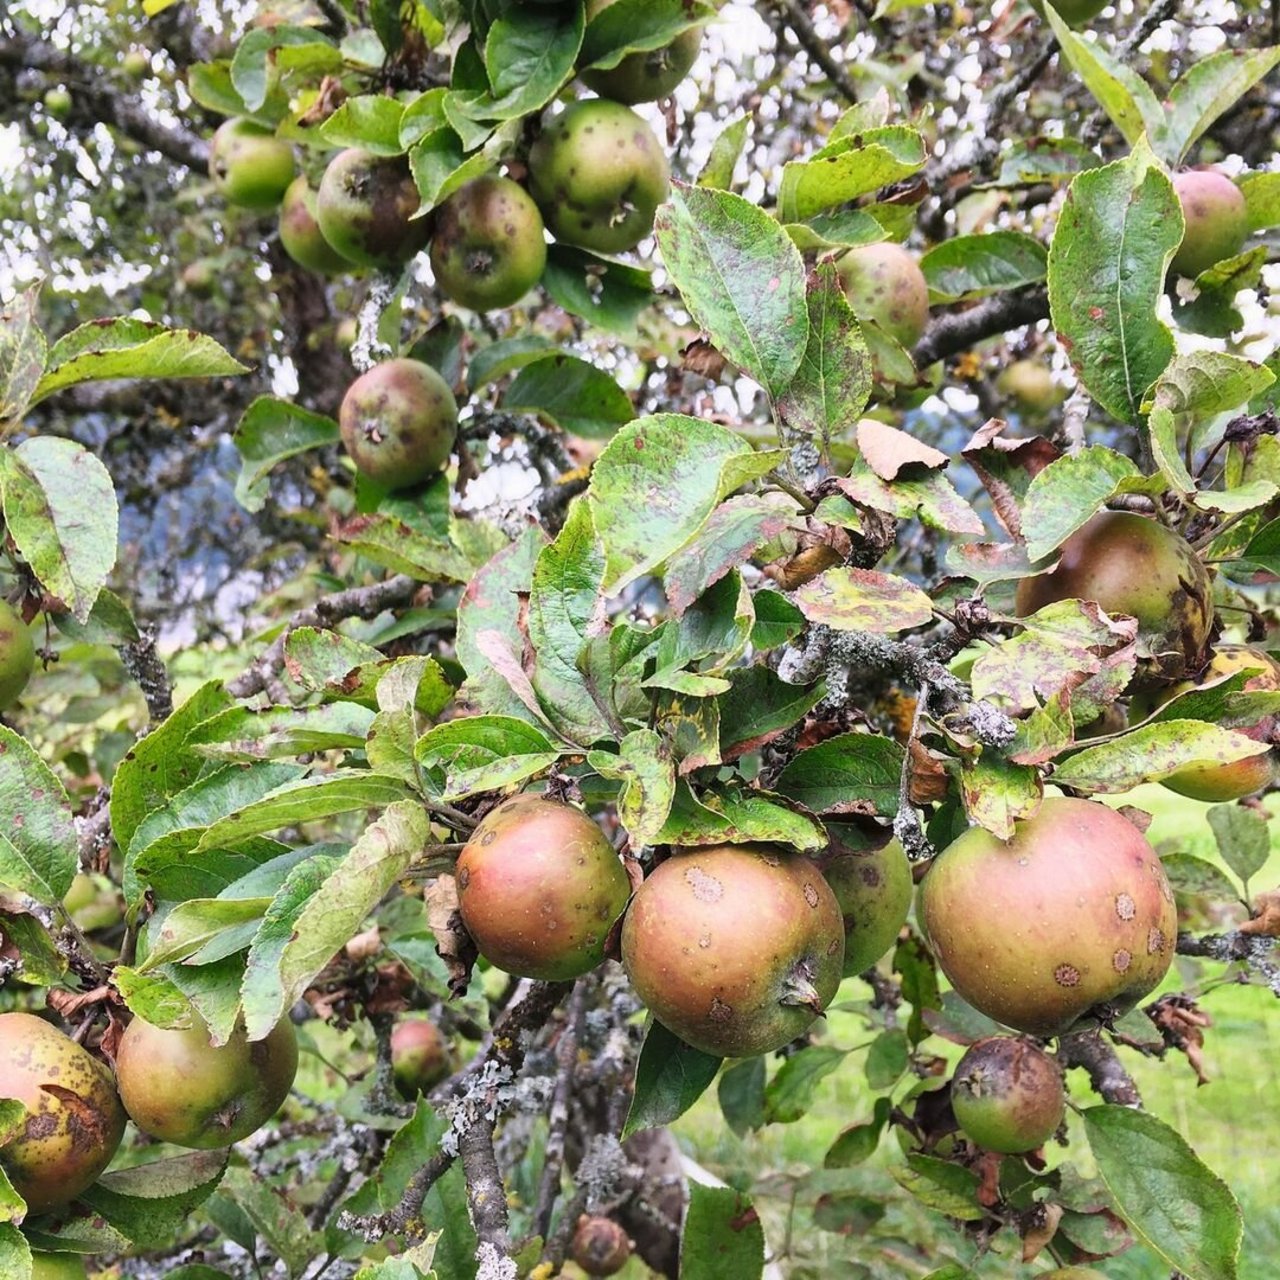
[22, 357]
[1067, 493]
[927, 496]
[656, 484]
[287, 956]
[242, 733]
[369, 121]
[648, 775]
[859, 1142]
[303, 800]
[670, 1077]
[1120, 91]
[1153, 752]
[609, 295]
[738, 816]
[849, 167]
[1209, 87]
[1243, 839]
[722, 1236]
[849, 599]
[833, 383]
[1192, 876]
[196, 922]
[276, 1218]
[60, 510]
[39, 854]
[575, 395]
[1261, 193]
[723, 157]
[1177, 1206]
[967, 267]
[759, 707]
[151, 1204]
[1115, 237]
[485, 753]
[741, 1095]
[630, 26]
[268, 432]
[850, 773]
[529, 55]
[264, 54]
[887, 1059]
[791, 1092]
[127, 348]
[741, 278]
[159, 765]
[939, 1184]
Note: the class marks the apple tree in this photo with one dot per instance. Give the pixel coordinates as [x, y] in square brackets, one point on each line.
[576, 565]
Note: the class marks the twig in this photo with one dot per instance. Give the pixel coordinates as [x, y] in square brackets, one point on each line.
[1106, 1072]
[108, 105]
[145, 667]
[812, 43]
[93, 832]
[1159, 12]
[486, 1196]
[403, 1218]
[354, 602]
[558, 1120]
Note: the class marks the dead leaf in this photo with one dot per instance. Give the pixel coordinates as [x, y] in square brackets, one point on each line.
[887, 450]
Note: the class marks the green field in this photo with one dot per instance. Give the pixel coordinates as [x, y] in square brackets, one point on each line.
[1229, 1121]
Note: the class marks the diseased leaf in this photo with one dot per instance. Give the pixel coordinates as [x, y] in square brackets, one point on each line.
[722, 1236]
[849, 599]
[850, 773]
[718, 248]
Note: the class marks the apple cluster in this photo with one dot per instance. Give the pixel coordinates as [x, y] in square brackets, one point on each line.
[176, 1085]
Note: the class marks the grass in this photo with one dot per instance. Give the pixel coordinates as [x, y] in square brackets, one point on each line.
[1228, 1122]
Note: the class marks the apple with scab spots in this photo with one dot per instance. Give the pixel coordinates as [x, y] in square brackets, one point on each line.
[884, 284]
[365, 207]
[539, 888]
[399, 422]
[600, 1246]
[1007, 1095]
[1139, 567]
[1072, 920]
[74, 1119]
[873, 886]
[735, 948]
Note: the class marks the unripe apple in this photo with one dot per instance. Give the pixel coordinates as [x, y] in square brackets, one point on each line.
[399, 422]
[57, 1266]
[57, 102]
[598, 174]
[1131, 565]
[1071, 918]
[735, 948]
[648, 76]
[93, 903]
[884, 283]
[540, 887]
[488, 249]
[420, 1057]
[1217, 220]
[1007, 1095]
[300, 232]
[1030, 385]
[135, 63]
[17, 655]
[873, 887]
[74, 1118]
[600, 1246]
[179, 1087]
[249, 165]
[365, 208]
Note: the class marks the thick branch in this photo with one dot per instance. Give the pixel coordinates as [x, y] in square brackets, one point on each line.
[486, 1196]
[354, 602]
[1107, 1074]
[108, 104]
[959, 330]
[1256, 951]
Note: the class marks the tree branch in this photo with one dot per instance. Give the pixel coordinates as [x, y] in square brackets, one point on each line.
[1106, 1072]
[814, 45]
[144, 666]
[107, 103]
[957, 331]
[354, 602]
[1256, 951]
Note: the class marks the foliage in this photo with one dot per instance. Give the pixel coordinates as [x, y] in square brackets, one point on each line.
[727, 552]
